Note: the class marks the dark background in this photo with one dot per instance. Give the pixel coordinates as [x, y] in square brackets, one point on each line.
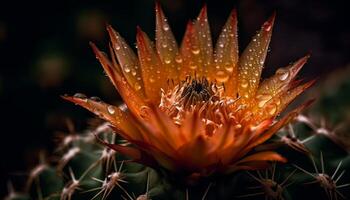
[44, 53]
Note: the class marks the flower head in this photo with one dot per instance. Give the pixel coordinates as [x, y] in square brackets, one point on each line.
[196, 108]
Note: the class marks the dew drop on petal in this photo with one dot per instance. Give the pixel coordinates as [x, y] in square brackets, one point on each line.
[164, 45]
[80, 96]
[137, 86]
[126, 69]
[221, 76]
[133, 72]
[263, 99]
[151, 80]
[97, 99]
[229, 68]
[195, 50]
[178, 59]
[282, 73]
[193, 66]
[167, 61]
[244, 83]
[271, 109]
[166, 27]
[111, 110]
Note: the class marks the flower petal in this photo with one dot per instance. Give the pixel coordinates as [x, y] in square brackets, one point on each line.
[131, 97]
[127, 59]
[258, 139]
[282, 78]
[256, 161]
[252, 60]
[112, 114]
[166, 45]
[153, 73]
[196, 48]
[226, 56]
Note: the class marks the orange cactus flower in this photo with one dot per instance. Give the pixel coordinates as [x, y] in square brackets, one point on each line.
[197, 108]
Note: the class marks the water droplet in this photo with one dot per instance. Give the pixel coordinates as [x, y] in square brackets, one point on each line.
[178, 59]
[126, 69]
[282, 73]
[151, 80]
[221, 76]
[111, 110]
[133, 72]
[137, 86]
[167, 60]
[229, 68]
[221, 45]
[193, 66]
[166, 27]
[263, 99]
[195, 50]
[97, 99]
[244, 83]
[117, 47]
[271, 109]
[80, 96]
[164, 45]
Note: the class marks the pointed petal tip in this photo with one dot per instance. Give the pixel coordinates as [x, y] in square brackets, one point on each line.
[297, 65]
[234, 13]
[140, 36]
[158, 6]
[138, 30]
[203, 13]
[94, 47]
[270, 22]
[109, 27]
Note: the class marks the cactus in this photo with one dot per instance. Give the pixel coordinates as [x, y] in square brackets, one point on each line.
[286, 159]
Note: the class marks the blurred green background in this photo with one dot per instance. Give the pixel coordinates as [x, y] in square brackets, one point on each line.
[45, 53]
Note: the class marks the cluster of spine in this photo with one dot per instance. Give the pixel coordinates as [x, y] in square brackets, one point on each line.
[88, 170]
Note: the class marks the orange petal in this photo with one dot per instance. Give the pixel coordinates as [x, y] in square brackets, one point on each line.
[191, 127]
[226, 56]
[195, 154]
[110, 69]
[153, 73]
[252, 60]
[278, 125]
[112, 114]
[168, 129]
[282, 78]
[262, 156]
[134, 153]
[127, 60]
[166, 45]
[287, 97]
[131, 98]
[256, 161]
[196, 48]
[254, 165]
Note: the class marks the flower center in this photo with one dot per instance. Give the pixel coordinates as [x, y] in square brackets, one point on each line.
[190, 95]
[197, 91]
